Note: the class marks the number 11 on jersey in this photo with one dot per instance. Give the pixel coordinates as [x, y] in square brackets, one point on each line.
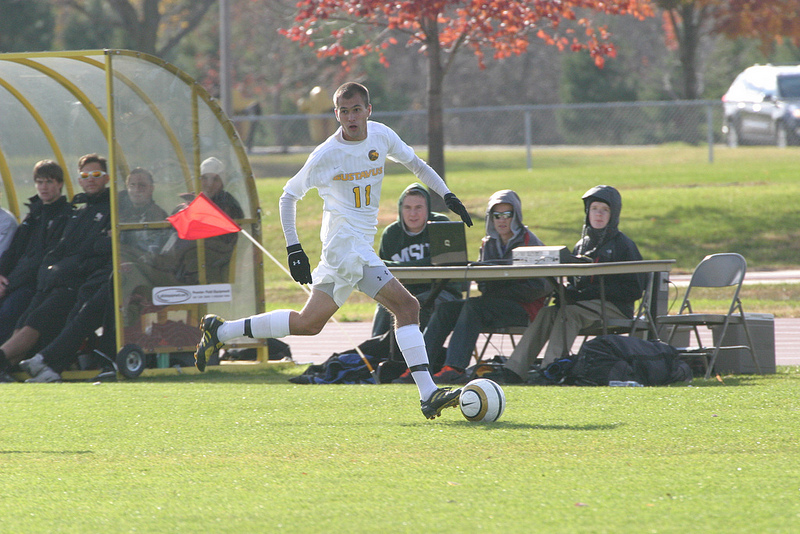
[357, 195]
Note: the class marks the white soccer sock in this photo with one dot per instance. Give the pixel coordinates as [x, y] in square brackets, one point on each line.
[412, 345]
[271, 324]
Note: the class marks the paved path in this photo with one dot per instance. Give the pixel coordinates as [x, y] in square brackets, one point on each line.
[336, 337]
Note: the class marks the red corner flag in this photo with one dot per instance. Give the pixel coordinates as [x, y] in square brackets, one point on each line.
[201, 219]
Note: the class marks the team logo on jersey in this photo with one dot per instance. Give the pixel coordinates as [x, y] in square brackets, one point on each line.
[373, 155]
[350, 176]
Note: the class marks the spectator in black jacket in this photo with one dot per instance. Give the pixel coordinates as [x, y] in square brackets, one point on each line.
[72, 270]
[39, 232]
[601, 241]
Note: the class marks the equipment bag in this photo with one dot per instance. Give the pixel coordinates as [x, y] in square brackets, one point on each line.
[622, 358]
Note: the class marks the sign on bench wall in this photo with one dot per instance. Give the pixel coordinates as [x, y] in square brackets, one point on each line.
[171, 295]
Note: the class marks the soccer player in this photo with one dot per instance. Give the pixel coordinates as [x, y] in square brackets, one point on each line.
[347, 170]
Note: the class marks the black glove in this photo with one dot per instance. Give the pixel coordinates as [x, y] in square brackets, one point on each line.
[457, 207]
[298, 264]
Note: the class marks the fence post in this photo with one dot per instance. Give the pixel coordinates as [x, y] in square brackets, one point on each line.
[528, 139]
[710, 128]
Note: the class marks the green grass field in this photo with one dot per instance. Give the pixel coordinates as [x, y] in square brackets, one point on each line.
[250, 452]
[253, 453]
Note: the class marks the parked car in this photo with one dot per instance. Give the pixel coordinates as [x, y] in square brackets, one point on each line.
[762, 106]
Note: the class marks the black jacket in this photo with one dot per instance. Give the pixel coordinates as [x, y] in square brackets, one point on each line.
[39, 232]
[607, 245]
[85, 247]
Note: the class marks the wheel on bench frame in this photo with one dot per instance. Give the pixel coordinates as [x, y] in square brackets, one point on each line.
[131, 360]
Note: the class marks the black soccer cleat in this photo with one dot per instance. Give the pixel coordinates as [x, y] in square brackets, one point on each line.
[442, 398]
[210, 343]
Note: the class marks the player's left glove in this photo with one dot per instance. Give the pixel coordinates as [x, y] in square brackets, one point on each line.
[298, 264]
[455, 205]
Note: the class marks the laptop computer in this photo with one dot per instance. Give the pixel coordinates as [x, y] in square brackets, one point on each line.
[448, 241]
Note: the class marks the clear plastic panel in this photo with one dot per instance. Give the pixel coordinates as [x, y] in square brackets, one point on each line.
[155, 130]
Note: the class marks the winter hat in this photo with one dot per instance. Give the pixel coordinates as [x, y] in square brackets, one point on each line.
[212, 166]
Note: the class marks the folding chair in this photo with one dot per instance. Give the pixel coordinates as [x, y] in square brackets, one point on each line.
[509, 331]
[719, 271]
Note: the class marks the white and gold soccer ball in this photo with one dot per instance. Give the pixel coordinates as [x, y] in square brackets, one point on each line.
[482, 400]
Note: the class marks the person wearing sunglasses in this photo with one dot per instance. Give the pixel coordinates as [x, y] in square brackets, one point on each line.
[601, 241]
[501, 303]
[73, 270]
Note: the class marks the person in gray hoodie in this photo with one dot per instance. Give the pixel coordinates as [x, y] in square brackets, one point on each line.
[501, 303]
[405, 243]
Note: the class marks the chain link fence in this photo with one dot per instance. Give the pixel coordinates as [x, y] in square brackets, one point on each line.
[621, 123]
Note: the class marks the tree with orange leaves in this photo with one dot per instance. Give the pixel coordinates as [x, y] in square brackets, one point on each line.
[441, 28]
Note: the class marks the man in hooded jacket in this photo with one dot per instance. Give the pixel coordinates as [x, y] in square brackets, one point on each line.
[601, 241]
[405, 243]
[501, 303]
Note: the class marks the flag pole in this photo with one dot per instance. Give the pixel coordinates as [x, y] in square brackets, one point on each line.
[308, 291]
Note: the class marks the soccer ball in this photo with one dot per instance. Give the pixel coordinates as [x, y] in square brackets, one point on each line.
[482, 400]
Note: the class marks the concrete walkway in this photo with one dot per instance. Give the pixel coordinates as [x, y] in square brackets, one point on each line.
[336, 337]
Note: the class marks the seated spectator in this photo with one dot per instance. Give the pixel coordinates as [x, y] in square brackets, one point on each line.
[405, 243]
[72, 270]
[136, 205]
[501, 303]
[601, 241]
[39, 232]
[176, 262]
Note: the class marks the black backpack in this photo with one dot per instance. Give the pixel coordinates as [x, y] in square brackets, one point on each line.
[620, 358]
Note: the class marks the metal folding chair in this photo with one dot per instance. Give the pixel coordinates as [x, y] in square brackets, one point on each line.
[726, 270]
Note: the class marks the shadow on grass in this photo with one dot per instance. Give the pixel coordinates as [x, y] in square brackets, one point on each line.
[508, 425]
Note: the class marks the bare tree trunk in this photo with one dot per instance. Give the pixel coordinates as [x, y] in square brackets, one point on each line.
[435, 112]
[693, 17]
[692, 21]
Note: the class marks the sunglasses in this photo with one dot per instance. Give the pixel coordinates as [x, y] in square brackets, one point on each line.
[93, 174]
[502, 214]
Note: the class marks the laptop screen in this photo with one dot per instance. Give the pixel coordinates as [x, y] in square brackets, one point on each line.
[448, 243]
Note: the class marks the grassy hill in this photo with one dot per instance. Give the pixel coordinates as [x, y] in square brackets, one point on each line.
[675, 203]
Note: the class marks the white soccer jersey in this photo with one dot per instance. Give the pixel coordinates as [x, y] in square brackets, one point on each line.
[348, 175]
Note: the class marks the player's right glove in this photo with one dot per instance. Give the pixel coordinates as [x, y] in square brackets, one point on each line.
[455, 205]
[298, 264]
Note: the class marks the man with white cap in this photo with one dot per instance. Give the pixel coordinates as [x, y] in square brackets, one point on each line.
[212, 183]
